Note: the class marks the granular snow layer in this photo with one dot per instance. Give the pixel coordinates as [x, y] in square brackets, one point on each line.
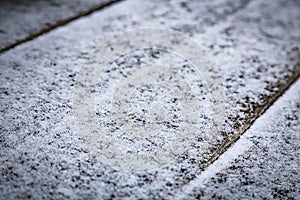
[255, 44]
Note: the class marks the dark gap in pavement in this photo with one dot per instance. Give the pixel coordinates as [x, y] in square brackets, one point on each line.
[260, 111]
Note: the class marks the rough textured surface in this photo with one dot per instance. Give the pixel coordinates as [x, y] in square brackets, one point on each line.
[19, 19]
[41, 155]
[268, 164]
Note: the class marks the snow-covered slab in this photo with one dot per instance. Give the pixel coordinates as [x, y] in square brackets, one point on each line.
[263, 164]
[24, 19]
[42, 152]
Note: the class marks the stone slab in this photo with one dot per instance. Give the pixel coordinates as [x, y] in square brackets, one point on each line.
[41, 153]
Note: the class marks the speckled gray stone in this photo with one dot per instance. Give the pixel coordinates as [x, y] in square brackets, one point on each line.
[256, 50]
[21, 19]
[268, 160]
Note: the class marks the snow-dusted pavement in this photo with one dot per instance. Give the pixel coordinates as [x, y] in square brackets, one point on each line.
[23, 20]
[263, 163]
[49, 150]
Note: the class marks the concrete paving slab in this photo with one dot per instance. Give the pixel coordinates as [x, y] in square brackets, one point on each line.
[263, 164]
[22, 20]
[41, 152]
